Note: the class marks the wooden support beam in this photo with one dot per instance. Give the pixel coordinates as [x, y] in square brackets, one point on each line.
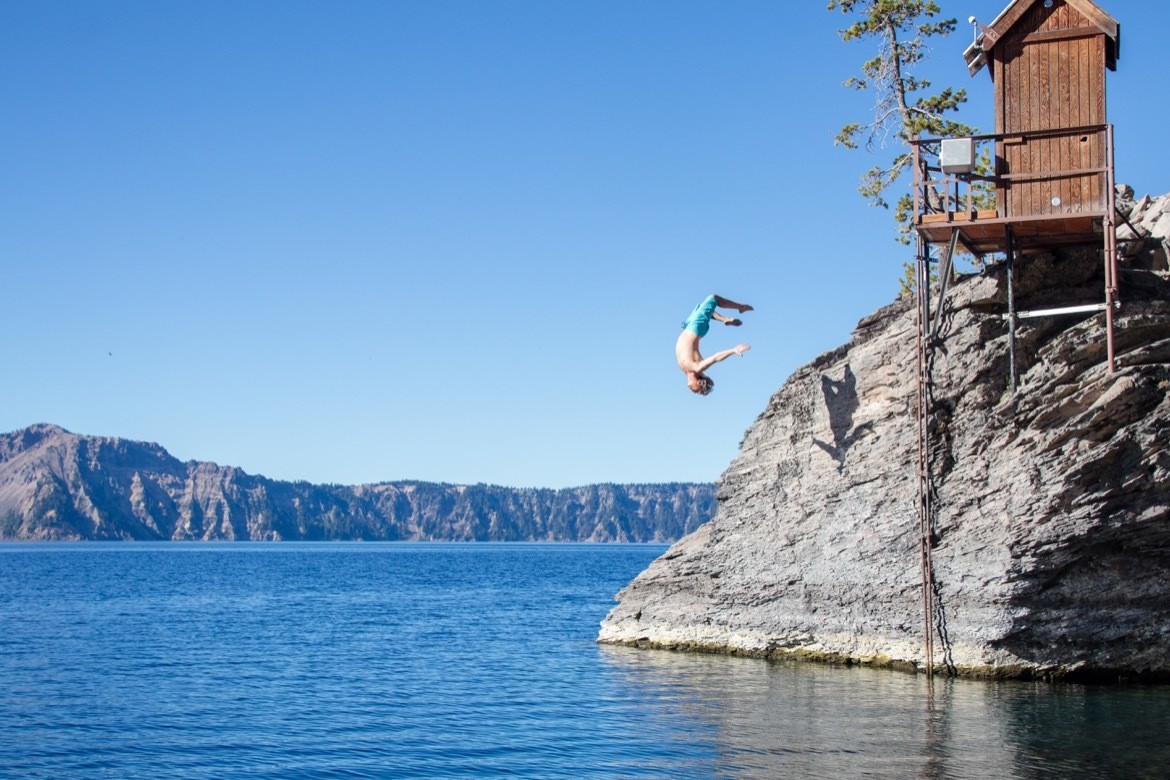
[1066, 34]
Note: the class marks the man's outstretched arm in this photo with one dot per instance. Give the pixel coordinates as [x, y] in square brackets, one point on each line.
[721, 356]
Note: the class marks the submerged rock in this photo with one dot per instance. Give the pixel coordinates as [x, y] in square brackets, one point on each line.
[1052, 548]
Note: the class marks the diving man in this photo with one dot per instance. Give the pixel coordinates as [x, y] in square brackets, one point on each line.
[695, 326]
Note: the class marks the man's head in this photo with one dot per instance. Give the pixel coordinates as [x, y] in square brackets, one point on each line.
[700, 383]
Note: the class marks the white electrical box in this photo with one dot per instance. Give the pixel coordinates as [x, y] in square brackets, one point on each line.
[957, 155]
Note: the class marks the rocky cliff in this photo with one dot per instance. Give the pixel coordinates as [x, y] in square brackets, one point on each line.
[1052, 537]
[58, 485]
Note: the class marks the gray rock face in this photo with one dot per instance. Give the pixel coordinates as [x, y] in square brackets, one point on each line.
[1053, 526]
[1145, 230]
[58, 485]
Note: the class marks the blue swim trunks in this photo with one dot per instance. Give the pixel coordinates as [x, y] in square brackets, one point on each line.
[699, 320]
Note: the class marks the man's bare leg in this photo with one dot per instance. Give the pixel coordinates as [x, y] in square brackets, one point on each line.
[724, 303]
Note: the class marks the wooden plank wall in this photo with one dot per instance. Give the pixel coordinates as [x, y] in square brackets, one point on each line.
[1048, 79]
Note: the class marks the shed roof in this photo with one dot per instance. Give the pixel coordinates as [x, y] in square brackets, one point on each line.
[976, 53]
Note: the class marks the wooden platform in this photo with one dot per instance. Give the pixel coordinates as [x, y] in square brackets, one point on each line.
[985, 232]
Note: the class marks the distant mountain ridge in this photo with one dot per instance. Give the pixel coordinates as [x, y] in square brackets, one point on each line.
[58, 485]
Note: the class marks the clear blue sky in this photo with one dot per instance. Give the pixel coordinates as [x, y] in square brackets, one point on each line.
[447, 240]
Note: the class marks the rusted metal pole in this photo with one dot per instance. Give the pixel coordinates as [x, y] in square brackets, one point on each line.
[946, 268]
[1009, 245]
[922, 284]
[1110, 229]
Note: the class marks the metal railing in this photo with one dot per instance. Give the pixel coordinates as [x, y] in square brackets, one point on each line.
[1025, 163]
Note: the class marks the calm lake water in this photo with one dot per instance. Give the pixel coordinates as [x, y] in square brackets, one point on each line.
[472, 660]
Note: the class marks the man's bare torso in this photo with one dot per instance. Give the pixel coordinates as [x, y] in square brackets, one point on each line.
[686, 350]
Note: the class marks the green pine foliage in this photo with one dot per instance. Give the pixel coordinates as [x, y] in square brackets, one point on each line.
[905, 108]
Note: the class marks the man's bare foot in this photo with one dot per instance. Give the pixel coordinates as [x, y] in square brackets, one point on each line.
[744, 307]
[742, 348]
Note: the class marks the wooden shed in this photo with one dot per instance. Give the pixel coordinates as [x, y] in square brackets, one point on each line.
[1052, 175]
[1047, 60]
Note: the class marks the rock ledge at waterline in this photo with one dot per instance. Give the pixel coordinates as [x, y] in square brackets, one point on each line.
[1053, 528]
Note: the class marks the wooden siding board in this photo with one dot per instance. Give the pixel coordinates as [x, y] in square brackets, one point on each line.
[1016, 152]
[1001, 166]
[1042, 149]
[1098, 85]
[1064, 97]
[1031, 87]
[1096, 81]
[1038, 115]
[1083, 186]
[1063, 110]
[1019, 151]
[1057, 115]
[1076, 186]
[1090, 197]
[1011, 154]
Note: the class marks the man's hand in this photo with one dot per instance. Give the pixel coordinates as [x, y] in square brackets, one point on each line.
[736, 322]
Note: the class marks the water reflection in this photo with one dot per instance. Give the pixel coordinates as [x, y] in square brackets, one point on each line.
[776, 720]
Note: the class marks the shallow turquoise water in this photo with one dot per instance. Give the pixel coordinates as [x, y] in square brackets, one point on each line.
[471, 660]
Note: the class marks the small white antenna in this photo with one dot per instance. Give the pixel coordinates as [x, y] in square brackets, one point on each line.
[975, 31]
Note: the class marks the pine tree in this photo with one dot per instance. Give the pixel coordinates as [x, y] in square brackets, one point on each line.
[903, 106]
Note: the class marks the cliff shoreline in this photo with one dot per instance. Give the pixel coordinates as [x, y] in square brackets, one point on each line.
[1052, 554]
